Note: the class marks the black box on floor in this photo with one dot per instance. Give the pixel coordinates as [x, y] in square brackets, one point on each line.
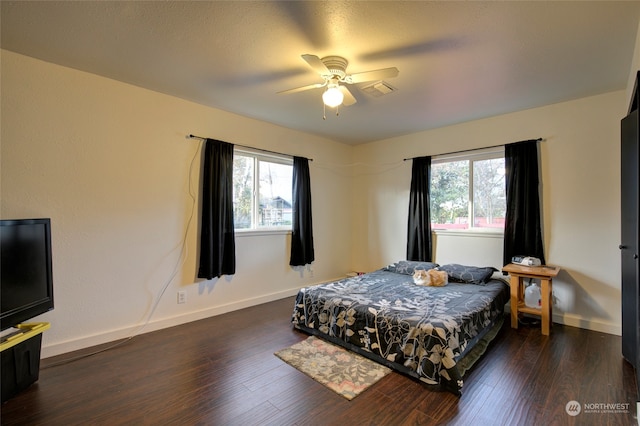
[20, 366]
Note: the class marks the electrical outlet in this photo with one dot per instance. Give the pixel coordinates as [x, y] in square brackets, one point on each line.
[182, 297]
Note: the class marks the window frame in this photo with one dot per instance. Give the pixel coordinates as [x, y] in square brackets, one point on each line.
[257, 156]
[471, 156]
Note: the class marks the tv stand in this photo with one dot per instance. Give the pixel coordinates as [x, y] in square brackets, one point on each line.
[10, 334]
[20, 354]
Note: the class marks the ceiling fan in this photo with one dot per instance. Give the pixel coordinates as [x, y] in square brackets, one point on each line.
[333, 70]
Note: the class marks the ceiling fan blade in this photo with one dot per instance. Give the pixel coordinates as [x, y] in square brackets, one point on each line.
[303, 88]
[349, 99]
[315, 63]
[381, 74]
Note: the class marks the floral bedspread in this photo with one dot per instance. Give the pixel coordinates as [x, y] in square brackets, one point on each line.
[421, 331]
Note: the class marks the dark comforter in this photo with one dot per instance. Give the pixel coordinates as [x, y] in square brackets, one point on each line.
[421, 331]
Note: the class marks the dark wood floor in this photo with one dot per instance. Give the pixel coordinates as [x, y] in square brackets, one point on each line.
[222, 371]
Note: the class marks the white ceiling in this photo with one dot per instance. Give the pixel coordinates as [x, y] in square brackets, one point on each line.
[458, 61]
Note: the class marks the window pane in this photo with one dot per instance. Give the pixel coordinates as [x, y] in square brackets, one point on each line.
[275, 194]
[262, 192]
[489, 199]
[450, 195]
[242, 191]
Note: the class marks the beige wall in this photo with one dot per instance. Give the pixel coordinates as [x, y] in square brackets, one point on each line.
[581, 200]
[110, 163]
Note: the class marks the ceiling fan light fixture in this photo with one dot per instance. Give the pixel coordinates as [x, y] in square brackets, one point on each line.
[332, 97]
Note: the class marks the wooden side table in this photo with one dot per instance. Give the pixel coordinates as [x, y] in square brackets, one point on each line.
[545, 274]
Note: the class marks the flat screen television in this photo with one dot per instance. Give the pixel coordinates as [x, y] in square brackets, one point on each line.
[26, 278]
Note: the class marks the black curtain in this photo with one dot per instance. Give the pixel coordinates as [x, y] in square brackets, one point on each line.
[419, 228]
[302, 235]
[522, 230]
[217, 237]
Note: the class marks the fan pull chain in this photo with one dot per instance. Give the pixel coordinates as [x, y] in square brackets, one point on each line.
[324, 111]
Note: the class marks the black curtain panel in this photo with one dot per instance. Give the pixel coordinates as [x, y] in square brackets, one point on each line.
[419, 228]
[217, 236]
[302, 235]
[522, 230]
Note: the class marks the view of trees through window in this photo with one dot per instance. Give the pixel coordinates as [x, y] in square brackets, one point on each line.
[261, 192]
[469, 188]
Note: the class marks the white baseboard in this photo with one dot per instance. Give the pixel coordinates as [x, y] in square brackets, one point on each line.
[580, 322]
[588, 324]
[123, 333]
[112, 336]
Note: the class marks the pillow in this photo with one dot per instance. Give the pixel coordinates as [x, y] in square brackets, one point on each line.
[468, 274]
[407, 267]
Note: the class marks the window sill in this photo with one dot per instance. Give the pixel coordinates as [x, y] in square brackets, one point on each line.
[260, 232]
[485, 233]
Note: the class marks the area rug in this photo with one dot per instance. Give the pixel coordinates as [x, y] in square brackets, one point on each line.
[344, 372]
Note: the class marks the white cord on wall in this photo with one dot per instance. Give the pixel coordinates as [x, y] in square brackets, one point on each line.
[182, 258]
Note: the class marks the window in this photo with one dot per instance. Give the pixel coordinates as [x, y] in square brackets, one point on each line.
[262, 192]
[468, 191]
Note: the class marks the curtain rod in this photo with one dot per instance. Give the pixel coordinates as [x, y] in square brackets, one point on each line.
[249, 147]
[474, 149]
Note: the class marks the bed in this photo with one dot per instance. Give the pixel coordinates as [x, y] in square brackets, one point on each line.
[431, 333]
